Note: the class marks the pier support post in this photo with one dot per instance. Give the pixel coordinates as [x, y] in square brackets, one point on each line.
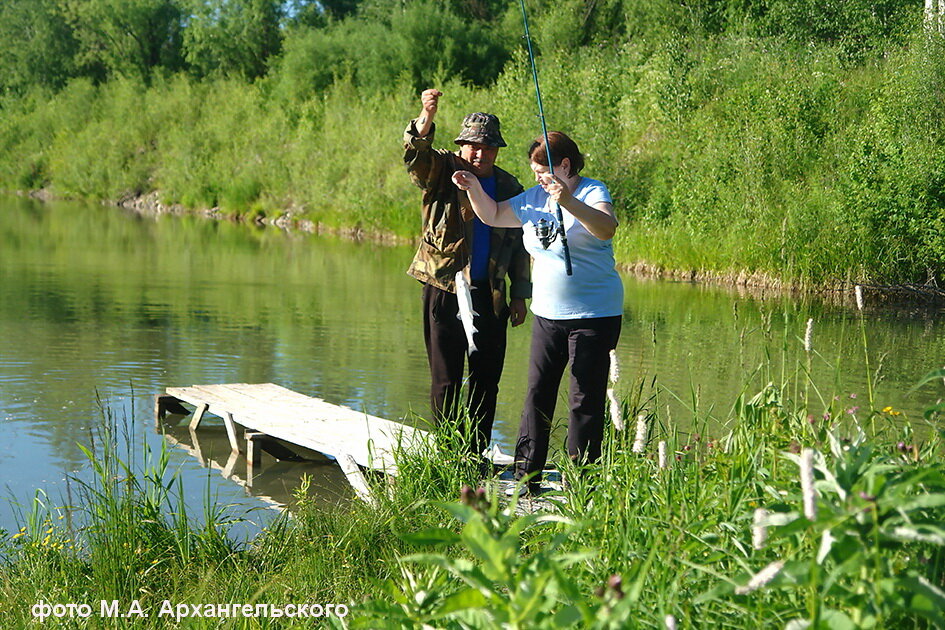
[231, 431]
[253, 454]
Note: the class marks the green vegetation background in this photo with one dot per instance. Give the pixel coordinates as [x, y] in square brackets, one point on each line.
[797, 140]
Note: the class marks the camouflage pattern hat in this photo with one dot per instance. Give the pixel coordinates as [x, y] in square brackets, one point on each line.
[481, 129]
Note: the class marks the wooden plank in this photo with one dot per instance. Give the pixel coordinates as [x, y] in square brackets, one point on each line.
[356, 478]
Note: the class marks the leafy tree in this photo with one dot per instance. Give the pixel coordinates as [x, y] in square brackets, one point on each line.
[390, 39]
[233, 37]
[309, 13]
[340, 9]
[36, 45]
[127, 38]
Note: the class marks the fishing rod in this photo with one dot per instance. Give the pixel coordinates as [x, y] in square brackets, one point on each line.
[542, 231]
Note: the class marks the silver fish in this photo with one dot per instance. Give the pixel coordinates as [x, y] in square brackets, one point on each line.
[466, 312]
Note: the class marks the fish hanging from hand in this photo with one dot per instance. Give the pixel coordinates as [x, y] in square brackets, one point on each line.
[466, 312]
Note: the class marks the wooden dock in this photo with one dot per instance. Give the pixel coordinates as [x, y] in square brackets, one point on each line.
[266, 412]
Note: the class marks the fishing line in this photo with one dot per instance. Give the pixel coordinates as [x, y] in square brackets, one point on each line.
[542, 231]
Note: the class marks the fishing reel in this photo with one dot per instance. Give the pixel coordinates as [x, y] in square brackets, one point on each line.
[547, 232]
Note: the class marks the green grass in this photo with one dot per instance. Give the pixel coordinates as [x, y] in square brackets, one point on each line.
[630, 540]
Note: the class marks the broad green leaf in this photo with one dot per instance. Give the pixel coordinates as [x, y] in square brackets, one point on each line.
[835, 620]
[928, 599]
[459, 511]
[464, 599]
[436, 537]
[569, 617]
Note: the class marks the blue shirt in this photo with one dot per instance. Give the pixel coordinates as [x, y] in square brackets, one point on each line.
[482, 238]
[595, 289]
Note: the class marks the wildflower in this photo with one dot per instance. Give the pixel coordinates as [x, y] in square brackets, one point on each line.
[661, 454]
[616, 416]
[639, 441]
[807, 484]
[670, 622]
[467, 496]
[614, 367]
[853, 395]
[17, 535]
[858, 292]
[761, 578]
[795, 447]
[852, 410]
[887, 409]
[759, 533]
[808, 335]
[615, 583]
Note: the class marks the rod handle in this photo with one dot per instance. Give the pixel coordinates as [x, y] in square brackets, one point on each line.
[567, 253]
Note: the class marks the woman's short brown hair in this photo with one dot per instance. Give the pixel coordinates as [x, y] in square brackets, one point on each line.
[561, 147]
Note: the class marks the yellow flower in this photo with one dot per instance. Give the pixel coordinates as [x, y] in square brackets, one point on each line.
[887, 409]
[15, 536]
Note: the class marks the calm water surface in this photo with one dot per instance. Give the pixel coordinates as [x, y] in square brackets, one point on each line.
[102, 309]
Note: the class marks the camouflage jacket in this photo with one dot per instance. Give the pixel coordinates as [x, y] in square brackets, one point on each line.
[446, 239]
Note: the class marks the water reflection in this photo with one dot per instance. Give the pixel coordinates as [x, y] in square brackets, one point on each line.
[98, 304]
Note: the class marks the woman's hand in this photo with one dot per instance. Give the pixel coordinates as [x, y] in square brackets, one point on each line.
[556, 188]
[464, 180]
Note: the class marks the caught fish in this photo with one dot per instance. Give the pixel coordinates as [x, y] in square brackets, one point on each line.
[466, 312]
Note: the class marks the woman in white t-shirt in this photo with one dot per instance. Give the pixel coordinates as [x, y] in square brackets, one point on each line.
[578, 316]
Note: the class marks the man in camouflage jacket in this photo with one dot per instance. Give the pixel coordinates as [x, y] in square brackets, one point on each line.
[453, 239]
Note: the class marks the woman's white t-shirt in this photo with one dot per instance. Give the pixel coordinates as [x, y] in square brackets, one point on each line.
[594, 289]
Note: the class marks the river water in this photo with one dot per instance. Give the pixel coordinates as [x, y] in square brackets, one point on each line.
[100, 310]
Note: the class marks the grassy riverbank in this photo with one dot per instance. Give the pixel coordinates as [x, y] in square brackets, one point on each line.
[733, 154]
[851, 534]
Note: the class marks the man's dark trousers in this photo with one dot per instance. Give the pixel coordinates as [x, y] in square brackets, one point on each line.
[446, 346]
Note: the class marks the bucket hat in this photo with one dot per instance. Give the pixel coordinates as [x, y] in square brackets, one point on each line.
[481, 128]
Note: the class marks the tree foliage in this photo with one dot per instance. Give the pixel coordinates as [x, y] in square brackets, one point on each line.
[37, 47]
[232, 37]
[125, 38]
